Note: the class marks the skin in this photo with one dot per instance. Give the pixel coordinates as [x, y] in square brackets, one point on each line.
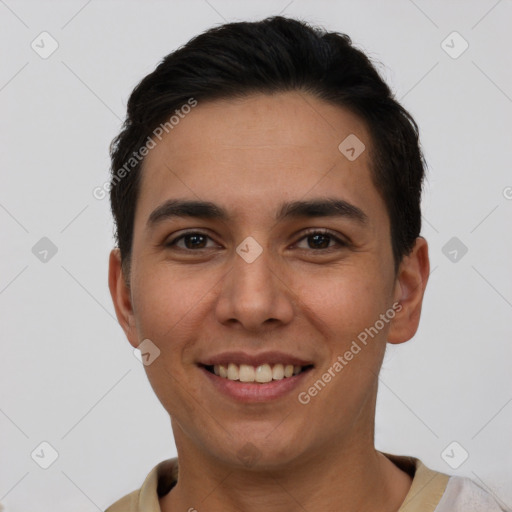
[248, 156]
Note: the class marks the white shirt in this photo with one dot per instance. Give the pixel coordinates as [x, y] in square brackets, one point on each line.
[463, 495]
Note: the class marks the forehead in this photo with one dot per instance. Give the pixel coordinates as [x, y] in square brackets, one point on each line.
[251, 154]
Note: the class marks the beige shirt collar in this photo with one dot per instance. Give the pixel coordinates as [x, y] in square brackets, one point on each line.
[426, 490]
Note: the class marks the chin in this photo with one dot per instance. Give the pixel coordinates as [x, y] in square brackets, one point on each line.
[263, 455]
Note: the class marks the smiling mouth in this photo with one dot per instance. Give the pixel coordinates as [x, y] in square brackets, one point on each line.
[261, 374]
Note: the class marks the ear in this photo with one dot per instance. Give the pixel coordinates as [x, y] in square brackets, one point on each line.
[410, 285]
[121, 297]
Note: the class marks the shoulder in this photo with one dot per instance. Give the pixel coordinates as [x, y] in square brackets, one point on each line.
[464, 495]
[127, 503]
[433, 491]
[159, 482]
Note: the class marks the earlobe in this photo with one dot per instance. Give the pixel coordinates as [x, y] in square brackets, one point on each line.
[121, 297]
[410, 287]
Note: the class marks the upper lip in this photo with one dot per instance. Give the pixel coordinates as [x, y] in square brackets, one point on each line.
[273, 357]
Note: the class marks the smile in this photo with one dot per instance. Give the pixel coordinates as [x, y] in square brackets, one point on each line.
[260, 374]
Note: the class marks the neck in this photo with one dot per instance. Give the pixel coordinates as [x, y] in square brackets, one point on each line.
[354, 478]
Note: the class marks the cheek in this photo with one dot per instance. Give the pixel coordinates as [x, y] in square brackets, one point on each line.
[343, 303]
[169, 307]
[167, 301]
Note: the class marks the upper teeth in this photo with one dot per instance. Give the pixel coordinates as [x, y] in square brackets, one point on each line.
[262, 373]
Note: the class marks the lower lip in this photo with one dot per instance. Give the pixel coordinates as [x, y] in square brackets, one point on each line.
[254, 392]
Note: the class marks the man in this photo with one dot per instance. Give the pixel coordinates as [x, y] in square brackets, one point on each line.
[266, 191]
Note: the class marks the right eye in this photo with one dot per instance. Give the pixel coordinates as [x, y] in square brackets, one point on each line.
[192, 240]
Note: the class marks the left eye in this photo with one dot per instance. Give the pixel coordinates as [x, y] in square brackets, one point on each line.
[321, 240]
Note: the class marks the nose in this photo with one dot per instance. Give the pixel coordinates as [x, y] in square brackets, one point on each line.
[255, 295]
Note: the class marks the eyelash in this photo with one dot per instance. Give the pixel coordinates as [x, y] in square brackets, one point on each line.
[309, 233]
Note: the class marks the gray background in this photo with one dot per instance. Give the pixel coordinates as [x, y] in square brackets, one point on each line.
[67, 374]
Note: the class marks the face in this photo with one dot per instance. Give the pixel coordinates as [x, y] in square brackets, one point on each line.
[283, 259]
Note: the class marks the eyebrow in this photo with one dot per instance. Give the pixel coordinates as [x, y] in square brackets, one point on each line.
[325, 207]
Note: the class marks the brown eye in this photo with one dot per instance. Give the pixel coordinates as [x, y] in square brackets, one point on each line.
[194, 241]
[190, 241]
[322, 240]
[318, 241]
